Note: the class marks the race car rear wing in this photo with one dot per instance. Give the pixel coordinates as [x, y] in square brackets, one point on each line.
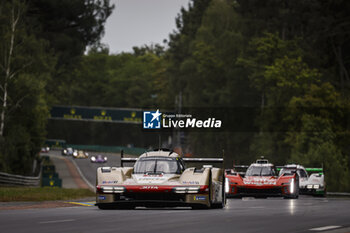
[126, 160]
[237, 169]
[318, 171]
[314, 170]
[291, 170]
[207, 162]
[190, 160]
[279, 168]
[204, 160]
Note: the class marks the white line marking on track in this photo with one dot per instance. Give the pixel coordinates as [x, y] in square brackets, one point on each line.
[57, 221]
[324, 228]
[92, 187]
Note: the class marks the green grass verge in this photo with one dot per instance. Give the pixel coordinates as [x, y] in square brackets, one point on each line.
[42, 194]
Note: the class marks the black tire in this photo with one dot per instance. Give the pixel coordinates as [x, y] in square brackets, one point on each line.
[210, 190]
[296, 196]
[324, 192]
[223, 200]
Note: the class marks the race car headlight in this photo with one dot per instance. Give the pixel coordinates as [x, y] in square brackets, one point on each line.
[227, 186]
[93, 158]
[75, 153]
[186, 189]
[291, 189]
[105, 158]
[316, 186]
[64, 151]
[309, 186]
[107, 189]
[105, 169]
[118, 189]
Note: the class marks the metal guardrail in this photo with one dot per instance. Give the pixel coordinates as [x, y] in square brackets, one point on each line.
[18, 180]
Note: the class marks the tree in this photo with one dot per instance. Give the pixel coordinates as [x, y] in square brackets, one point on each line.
[187, 23]
[25, 69]
[315, 135]
[11, 48]
[69, 26]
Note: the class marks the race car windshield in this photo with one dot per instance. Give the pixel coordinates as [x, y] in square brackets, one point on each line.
[260, 171]
[301, 173]
[157, 165]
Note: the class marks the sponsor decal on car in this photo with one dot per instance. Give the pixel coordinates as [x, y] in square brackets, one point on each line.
[190, 182]
[102, 197]
[200, 198]
[150, 178]
[110, 182]
[146, 175]
[149, 187]
[260, 182]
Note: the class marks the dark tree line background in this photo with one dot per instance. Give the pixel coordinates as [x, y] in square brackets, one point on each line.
[286, 60]
[42, 43]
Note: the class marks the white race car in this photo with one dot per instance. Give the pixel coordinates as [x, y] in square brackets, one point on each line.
[311, 180]
[159, 178]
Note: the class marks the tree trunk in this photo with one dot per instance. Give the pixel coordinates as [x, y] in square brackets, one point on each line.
[7, 66]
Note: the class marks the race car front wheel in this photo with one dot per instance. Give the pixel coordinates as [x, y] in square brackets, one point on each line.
[223, 196]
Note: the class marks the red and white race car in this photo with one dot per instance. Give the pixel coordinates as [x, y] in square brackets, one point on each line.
[261, 180]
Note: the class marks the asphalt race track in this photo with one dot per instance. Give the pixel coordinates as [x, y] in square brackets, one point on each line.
[250, 215]
[88, 168]
[306, 214]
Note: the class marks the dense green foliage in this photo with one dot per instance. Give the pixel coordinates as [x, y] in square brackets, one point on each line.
[288, 61]
[41, 41]
[122, 80]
